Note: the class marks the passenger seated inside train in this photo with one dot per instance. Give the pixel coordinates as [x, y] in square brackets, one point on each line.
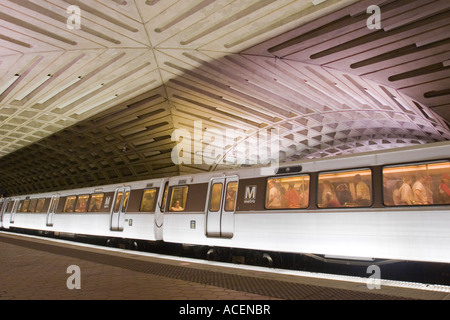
[82, 204]
[176, 206]
[148, 200]
[444, 189]
[362, 192]
[230, 200]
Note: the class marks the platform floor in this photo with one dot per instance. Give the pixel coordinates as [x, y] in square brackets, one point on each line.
[34, 268]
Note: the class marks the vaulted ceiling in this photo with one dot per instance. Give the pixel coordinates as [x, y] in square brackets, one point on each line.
[100, 104]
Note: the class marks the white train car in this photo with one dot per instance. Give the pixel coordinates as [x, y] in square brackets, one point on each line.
[392, 204]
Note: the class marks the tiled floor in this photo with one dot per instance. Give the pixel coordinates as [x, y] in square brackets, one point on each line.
[32, 274]
[37, 269]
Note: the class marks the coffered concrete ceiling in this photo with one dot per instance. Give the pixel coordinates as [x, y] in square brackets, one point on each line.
[100, 104]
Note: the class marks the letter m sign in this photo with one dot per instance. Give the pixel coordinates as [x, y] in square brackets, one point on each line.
[250, 194]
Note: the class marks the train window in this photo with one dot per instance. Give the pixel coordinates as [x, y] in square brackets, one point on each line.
[118, 200]
[345, 189]
[10, 206]
[125, 200]
[32, 206]
[96, 202]
[148, 201]
[178, 199]
[69, 206]
[40, 206]
[230, 198]
[419, 185]
[25, 205]
[82, 204]
[164, 199]
[53, 205]
[216, 197]
[288, 193]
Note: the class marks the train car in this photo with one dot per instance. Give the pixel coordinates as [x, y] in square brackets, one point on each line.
[390, 205]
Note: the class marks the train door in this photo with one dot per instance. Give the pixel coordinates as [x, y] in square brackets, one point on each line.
[160, 207]
[119, 208]
[221, 207]
[13, 211]
[52, 210]
[6, 214]
[3, 206]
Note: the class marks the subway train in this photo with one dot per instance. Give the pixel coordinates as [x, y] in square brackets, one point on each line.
[385, 205]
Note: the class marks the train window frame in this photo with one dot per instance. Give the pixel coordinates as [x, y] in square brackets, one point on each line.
[297, 175]
[91, 203]
[10, 206]
[32, 205]
[24, 206]
[215, 209]
[165, 195]
[404, 165]
[78, 202]
[155, 199]
[233, 200]
[347, 171]
[117, 201]
[40, 201]
[172, 189]
[74, 198]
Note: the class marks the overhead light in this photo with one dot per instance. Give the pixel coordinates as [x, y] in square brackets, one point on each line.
[78, 97]
[96, 104]
[62, 88]
[403, 103]
[9, 83]
[351, 94]
[31, 88]
[379, 99]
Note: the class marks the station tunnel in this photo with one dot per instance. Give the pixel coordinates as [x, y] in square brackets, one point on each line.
[93, 94]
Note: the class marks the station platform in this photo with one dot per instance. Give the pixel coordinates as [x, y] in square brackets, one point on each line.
[34, 268]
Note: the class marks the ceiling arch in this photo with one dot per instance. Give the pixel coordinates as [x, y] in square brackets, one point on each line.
[100, 104]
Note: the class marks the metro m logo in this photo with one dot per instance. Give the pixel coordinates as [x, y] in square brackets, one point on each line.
[250, 194]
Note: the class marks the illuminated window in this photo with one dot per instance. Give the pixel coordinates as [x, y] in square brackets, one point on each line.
[345, 189]
[32, 205]
[117, 203]
[419, 185]
[148, 201]
[288, 193]
[216, 197]
[164, 199]
[82, 204]
[125, 201]
[10, 207]
[40, 206]
[178, 199]
[25, 205]
[96, 202]
[69, 206]
[230, 196]
[53, 204]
